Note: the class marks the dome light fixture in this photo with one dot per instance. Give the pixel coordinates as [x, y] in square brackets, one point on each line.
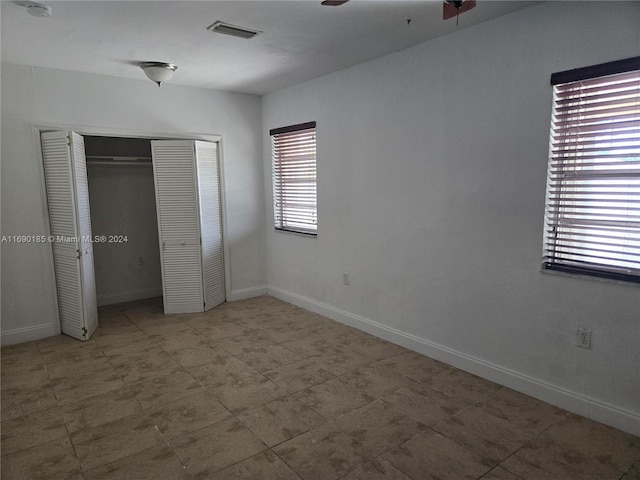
[158, 72]
[38, 9]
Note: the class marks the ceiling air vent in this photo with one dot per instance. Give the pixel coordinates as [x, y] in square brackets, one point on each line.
[233, 30]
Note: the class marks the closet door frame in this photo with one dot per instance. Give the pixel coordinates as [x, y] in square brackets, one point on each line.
[85, 130]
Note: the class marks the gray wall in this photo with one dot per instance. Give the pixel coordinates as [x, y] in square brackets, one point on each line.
[431, 182]
[36, 96]
[123, 204]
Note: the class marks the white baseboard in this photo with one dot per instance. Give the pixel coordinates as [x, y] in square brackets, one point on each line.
[244, 293]
[129, 296]
[580, 404]
[28, 334]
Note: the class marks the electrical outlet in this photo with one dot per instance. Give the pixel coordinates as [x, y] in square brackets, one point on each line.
[346, 279]
[584, 338]
[140, 260]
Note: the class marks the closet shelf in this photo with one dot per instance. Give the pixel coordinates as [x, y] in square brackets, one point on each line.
[117, 160]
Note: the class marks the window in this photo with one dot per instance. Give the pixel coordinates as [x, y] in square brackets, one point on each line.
[592, 223]
[293, 151]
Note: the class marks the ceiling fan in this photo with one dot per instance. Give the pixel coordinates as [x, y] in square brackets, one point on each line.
[450, 8]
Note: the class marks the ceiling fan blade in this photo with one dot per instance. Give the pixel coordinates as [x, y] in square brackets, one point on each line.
[334, 3]
[449, 9]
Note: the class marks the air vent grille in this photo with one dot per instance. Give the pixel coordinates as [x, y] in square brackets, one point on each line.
[233, 30]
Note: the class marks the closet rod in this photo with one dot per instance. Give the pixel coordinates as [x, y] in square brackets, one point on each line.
[117, 160]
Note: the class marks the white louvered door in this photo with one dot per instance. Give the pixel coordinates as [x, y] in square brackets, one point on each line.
[68, 202]
[210, 223]
[174, 170]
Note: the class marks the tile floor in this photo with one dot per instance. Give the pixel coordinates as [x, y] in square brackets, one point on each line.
[260, 389]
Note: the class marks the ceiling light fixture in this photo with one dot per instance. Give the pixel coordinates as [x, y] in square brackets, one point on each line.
[158, 72]
[38, 9]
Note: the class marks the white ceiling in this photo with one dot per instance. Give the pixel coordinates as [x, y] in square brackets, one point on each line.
[301, 38]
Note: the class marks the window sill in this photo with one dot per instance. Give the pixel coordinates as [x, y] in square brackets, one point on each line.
[299, 234]
[578, 276]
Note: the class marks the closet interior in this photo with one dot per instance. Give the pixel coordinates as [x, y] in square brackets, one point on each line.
[122, 202]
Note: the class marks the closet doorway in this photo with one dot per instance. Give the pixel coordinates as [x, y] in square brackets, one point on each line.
[188, 212]
[122, 203]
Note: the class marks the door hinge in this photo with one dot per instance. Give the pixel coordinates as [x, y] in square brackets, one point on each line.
[84, 332]
[69, 141]
[78, 253]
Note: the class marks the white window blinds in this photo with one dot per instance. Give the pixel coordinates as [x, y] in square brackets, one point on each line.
[593, 193]
[294, 178]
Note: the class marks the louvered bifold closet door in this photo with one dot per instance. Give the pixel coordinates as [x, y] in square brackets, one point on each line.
[174, 170]
[68, 202]
[210, 223]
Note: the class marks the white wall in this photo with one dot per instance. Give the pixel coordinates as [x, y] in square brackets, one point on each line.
[35, 96]
[123, 203]
[431, 182]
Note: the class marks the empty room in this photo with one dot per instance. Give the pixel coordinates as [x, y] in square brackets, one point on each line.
[318, 240]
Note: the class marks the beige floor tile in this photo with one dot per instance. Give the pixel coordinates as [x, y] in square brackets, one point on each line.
[54, 460]
[201, 354]
[63, 344]
[147, 366]
[378, 469]
[267, 357]
[324, 453]
[25, 378]
[299, 375]
[334, 398]
[377, 427]
[285, 332]
[219, 331]
[100, 409]
[427, 406]
[490, 437]
[500, 474]
[17, 402]
[416, 366]
[376, 349]
[606, 445]
[16, 356]
[74, 388]
[341, 363]
[281, 420]
[216, 447]
[545, 459]
[188, 414]
[462, 385]
[169, 388]
[170, 342]
[522, 410]
[247, 392]
[120, 339]
[254, 339]
[633, 473]
[221, 371]
[377, 380]
[157, 463]
[430, 456]
[144, 373]
[154, 322]
[62, 369]
[28, 348]
[264, 466]
[312, 345]
[31, 430]
[107, 443]
[119, 355]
